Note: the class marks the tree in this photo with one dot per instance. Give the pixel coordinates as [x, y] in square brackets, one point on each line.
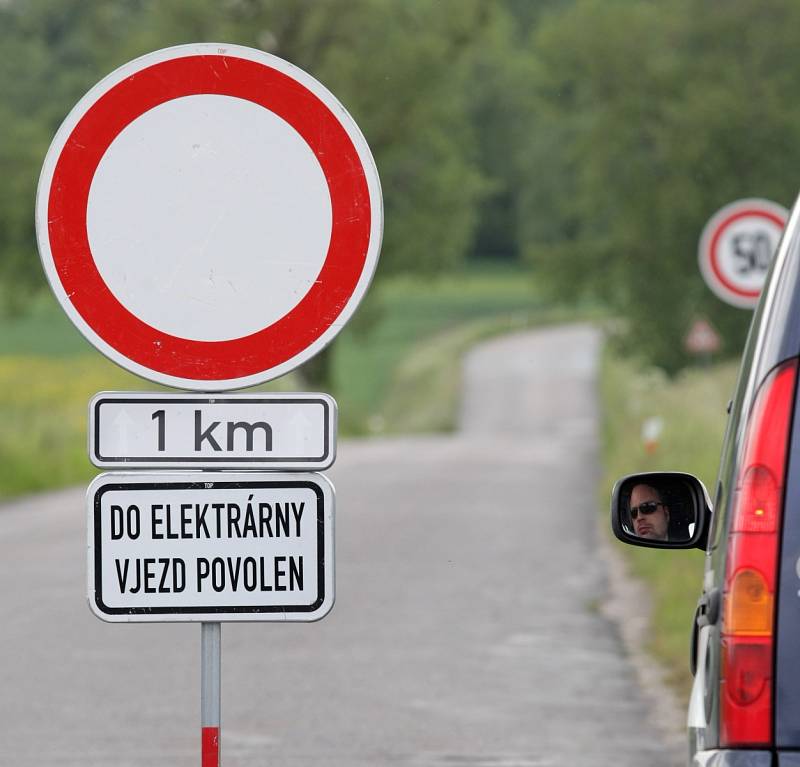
[651, 118]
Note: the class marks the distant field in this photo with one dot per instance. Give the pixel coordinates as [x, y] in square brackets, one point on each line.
[692, 408]
[401, 374]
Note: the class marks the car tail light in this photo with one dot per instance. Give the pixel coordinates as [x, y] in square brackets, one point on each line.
[751, 570]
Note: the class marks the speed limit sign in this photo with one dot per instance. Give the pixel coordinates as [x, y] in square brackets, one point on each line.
[737, 247]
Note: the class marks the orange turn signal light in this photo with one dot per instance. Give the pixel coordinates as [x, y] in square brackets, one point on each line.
[748, 605]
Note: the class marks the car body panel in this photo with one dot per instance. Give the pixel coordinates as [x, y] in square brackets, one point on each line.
[787, 653]
[733, 758]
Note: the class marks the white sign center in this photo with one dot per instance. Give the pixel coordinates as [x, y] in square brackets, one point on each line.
[197, 230]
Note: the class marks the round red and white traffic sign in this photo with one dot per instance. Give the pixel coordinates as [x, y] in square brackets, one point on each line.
[209, 216]
[737, 246]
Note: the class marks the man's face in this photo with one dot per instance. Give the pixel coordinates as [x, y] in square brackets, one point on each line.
[653, 525]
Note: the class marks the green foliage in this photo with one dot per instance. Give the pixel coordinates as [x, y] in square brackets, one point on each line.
[652, 116]
[404, 70]
[501, 112]
[44, 412]
[594, 138]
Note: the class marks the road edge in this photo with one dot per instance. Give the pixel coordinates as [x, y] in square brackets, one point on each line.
[626, 605]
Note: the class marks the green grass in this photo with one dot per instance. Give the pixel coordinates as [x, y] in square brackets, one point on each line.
[406, 312]
[43, 412]
[43, 331]
[401, 375]
[692, 408]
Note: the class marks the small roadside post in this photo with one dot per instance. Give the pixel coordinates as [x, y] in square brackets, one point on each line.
[737, 246]
[209, 216]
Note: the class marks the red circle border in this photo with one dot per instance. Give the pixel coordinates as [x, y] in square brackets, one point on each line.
[69, 195]
[712, 250]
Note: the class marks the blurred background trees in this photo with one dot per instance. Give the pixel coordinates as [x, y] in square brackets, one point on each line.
[586, 142]
[657, 114]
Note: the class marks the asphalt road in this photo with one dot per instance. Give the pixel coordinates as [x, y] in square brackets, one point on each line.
[466, 629]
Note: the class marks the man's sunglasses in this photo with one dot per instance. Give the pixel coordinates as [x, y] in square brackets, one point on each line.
[646, 508]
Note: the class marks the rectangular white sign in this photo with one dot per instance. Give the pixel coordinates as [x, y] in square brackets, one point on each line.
[210, 546]
[275, 431]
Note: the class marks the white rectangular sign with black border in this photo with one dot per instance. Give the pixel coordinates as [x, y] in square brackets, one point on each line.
[180, 431]
[210, 546]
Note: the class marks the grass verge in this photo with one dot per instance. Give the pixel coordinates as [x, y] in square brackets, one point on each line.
[399, 317]
[691, 408]
[425, 391]
[43, 411]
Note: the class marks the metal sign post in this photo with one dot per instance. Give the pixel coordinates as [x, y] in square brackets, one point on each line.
[210, 693]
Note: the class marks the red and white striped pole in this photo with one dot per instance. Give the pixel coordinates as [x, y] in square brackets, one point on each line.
[210, 687]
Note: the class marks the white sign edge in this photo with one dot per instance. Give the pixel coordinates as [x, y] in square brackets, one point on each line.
[329, 493]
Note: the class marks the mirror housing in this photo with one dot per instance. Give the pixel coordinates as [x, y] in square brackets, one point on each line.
[677, 510]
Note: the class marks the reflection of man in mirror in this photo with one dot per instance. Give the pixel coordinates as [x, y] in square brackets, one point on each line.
[649, 514]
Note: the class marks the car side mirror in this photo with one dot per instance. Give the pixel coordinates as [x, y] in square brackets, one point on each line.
[664, 510]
